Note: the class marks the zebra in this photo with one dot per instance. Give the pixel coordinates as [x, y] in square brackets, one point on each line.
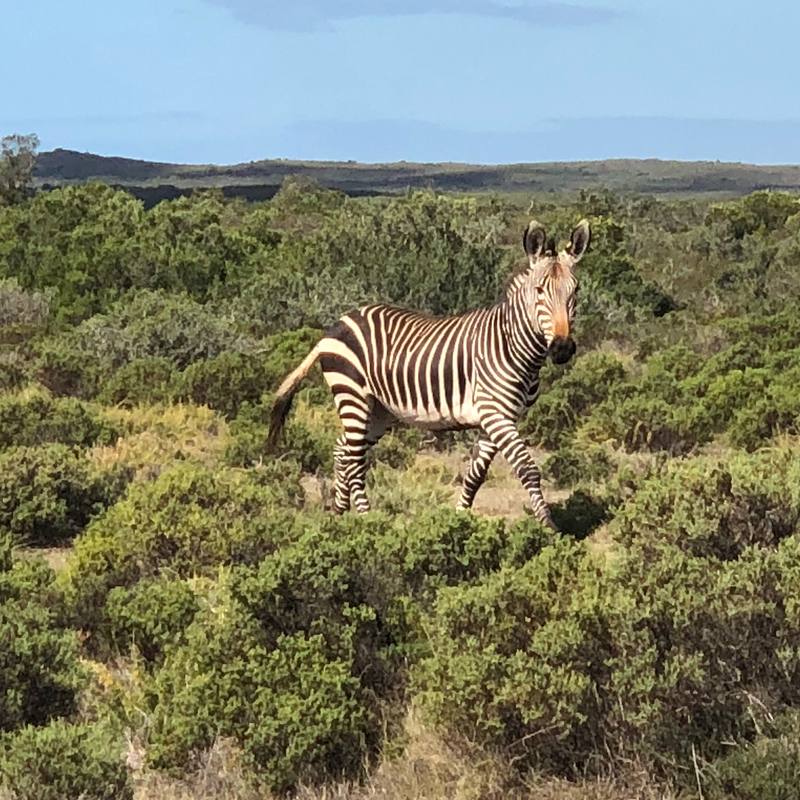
[480, 369]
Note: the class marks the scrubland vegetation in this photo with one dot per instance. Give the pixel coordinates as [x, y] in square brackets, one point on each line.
[212, 632]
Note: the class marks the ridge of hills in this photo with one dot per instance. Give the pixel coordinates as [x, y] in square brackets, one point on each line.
[259, 180]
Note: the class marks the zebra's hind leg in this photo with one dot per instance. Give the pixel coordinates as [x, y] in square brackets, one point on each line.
[482, 454]
[341, 483]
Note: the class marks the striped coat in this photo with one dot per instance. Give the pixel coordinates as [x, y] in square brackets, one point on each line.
[386, 365]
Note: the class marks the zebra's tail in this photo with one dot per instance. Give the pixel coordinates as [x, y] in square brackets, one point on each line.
[284, 397]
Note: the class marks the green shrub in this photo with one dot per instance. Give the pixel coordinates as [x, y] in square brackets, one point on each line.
[294, 704]
[715, 509]
[38, 419]
[777, 410]
[308, 437]
[557, 413]
[767, 768]
[190, 520]
[13, 375]
[570, 465]
[39, 669]
[23, 309]
[150, 615]
[668, 654]
[226, 382]
[143, 381]
[724, 396]
[398, 448]
[65, 370]
[304, 662]
[516, 659]
[285, 351]
[65, 762]
[48, 494]
[641, 422]
[158, 325]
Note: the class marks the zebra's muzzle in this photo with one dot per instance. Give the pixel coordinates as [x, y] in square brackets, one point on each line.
[562, 349]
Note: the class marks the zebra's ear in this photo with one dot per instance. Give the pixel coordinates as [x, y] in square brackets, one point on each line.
[534, 239]
[579, 240]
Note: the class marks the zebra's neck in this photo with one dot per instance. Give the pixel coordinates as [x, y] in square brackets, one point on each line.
[526, 344]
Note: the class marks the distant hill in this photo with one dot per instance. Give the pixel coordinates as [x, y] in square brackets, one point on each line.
[261, 179]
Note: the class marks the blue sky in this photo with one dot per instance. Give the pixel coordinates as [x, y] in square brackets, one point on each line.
[482, 81]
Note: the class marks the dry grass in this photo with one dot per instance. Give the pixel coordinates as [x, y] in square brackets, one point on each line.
[429, 768]
[218, 775]
[155, 436]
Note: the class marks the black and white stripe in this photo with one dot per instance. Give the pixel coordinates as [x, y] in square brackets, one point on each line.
[478, 370]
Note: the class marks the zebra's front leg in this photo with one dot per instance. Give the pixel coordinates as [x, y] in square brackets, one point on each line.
[482, 455]
[503, 432]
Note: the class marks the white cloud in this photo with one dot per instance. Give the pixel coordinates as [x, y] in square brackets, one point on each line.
[306, 15]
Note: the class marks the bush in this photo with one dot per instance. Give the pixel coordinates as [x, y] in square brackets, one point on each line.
[516, 659]
[226, 382]
[715, 509]
[158, 325]
[13, 375]
[294, 705]
[190, 520]
[308, 437]
[767, 768]
[151, 615]
[143, 381]
[285, 351]
[559, 659]
[38, 419]
[641, 422]
[557, 413]
[21, 308]
[777, 410]
[570, 465]
[39, 669]
[304, 662]
[65, 370]
[65, 762]
[49, 494]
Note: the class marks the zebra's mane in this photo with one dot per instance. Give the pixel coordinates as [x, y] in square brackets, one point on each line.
[540, 268]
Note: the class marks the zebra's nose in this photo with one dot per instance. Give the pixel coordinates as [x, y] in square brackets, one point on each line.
[562, 349]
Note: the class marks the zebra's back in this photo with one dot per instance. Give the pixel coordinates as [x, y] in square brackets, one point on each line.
[420, 368]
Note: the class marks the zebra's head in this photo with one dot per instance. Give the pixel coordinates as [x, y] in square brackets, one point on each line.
[551, 286]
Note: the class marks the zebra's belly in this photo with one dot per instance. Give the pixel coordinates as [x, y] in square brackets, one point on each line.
[437, 419]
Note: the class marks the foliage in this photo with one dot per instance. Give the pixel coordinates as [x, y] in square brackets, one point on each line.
[65, 762]
[150, 615]
[17, 157]
[28, 420]
[293, 704]
[306, 655]
[224, 606]
[39, 668]
[155, 324]
[569, 466]
[188, 521]
[19, 307]
[767, 768]
[555, 415]
[715, 509]
[142, 381]
[49, 494]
